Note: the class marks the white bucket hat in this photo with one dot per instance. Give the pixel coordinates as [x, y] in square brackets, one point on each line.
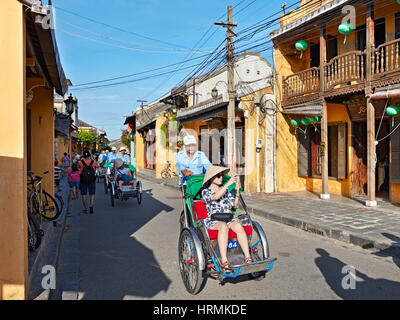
[122, 148]
[113, 149]
[188, 140]
[212, 171]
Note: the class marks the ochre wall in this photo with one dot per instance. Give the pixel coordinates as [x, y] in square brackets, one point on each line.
[13, 221]
[287, 166]
[62, 146]
[251, 127]
[139, 149]
[42, 135]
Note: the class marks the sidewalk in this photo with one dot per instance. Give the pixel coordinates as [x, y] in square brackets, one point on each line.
[47, 253]
[339, 218]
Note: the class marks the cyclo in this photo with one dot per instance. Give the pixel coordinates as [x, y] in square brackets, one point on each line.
[132, 189]
[199, 255]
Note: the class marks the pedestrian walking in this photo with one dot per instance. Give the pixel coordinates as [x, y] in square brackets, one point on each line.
[57, 175]
[74, 180]
[87, 168]
[66, 162]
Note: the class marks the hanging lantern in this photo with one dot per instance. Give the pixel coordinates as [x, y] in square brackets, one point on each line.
[345, 28]
[301, 45]
[306, 121]
[398, 1]
[316, 119]
[295, 122]
[392, 110]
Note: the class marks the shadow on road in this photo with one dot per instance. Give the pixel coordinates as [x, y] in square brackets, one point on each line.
[392, 252]
[113, 263]
[366, 289]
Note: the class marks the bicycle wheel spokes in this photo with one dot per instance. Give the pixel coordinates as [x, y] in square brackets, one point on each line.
[50, 209]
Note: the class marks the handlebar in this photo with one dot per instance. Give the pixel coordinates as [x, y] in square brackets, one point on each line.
[36, 178]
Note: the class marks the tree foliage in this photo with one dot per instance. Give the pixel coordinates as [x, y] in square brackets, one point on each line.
[86, 137]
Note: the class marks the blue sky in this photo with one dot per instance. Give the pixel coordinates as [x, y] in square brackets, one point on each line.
[91, 51]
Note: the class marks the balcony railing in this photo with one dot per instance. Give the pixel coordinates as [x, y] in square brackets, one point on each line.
[386, 59]
[301, 83]
[345, 71]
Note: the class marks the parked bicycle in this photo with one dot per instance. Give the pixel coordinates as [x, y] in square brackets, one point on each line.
[168, 172]
[40, 205]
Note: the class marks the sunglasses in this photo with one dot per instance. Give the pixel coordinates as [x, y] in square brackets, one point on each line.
[219, 175]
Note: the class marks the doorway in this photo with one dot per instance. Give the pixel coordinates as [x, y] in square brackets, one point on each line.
[359, 181]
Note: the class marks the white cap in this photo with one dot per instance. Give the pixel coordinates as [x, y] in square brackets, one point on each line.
[122, 148]
[113, 149]
[189, 140]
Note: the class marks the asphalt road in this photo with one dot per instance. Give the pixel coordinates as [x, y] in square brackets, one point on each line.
[130, 252]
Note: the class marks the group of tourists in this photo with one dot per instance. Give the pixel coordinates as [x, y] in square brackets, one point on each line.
[82, 173]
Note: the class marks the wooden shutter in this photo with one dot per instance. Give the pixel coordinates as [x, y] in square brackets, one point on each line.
[395, 146]
[303, 154]
[315, 151]
[342, 145]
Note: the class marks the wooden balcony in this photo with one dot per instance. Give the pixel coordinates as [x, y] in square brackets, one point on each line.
[386, 64]
[300, 84]
[345, 74]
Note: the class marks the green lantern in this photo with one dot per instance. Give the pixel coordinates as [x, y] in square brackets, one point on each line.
[316, 119]
[306, 121]
[301, 45]
[295, 122]
[345, 28]
[392, 110]
[398, 1]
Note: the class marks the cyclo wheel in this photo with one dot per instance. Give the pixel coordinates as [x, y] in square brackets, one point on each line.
[139, 192]
[257, 253]
[105, 185]
[189, 264]
[51, 210]
[112, 195]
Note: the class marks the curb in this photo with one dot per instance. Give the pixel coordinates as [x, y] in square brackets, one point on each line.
[325, 231]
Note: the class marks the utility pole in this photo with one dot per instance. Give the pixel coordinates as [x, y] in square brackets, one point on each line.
[141, 106]
[231, 156]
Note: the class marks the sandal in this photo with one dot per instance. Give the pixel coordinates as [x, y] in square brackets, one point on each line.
[226, 268]
[248, 260]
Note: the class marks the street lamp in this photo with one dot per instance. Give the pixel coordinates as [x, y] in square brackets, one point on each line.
[214, 91]
[70, 106]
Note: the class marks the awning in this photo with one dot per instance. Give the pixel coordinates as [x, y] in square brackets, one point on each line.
[45, 51]
[328, 11]
[311, 108]
[202, 112]
[388, 92]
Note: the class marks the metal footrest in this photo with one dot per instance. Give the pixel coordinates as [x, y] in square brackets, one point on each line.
[256, 266]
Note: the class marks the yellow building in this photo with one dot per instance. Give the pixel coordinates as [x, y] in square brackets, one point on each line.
[205, 116]
[344, 81]
[31, 71]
